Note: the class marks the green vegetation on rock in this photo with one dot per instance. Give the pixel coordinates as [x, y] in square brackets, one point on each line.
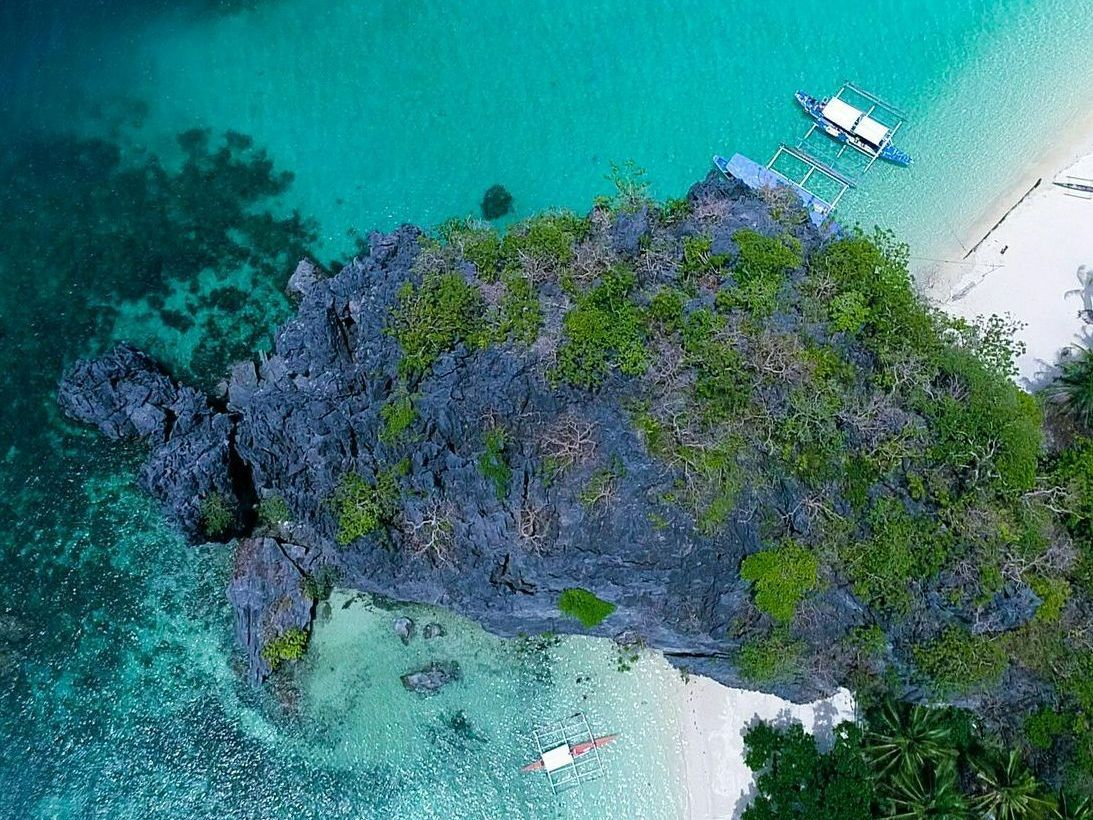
[492, 461]
[584, 606]
[604, 330]
[290, 645]
[958, 662]
[782, 577]
[433, 318]
[217, 515]
[397, 414]
[361, 507]
[775, 658]
[273, 511]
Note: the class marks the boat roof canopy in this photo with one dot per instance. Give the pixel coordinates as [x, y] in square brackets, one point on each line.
[871, 131]
[841, 113]
[556, 758]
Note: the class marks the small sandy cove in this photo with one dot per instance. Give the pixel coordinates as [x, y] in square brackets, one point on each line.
[714, 719]
[1036, 264]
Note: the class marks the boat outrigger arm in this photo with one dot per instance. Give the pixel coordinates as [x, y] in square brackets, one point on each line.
[855, 128]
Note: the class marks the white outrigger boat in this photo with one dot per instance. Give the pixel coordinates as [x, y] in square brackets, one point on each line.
[568, 752]
[855, 128]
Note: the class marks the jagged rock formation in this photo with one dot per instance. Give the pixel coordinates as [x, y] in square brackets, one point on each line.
[581, 500]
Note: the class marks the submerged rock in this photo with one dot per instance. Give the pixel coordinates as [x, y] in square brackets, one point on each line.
[432, 678]
[496, 202]
[404, 628]
[433, 630]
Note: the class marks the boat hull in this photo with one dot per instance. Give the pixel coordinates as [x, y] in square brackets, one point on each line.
[576, 751]
[815, 109]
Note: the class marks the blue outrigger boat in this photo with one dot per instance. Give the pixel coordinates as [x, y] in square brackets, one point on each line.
[856, 128]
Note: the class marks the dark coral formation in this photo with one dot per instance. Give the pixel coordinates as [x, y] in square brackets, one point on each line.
[496, 202]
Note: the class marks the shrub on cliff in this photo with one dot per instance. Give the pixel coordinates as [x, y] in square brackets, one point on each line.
[781, 577]
[217, 515]
[584, 606]
[958, 662]
[290, 645]
[433, 318]
[361, 507]
[604, 330]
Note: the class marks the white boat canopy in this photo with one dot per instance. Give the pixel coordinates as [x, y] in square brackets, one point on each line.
[841, 113]
[871, 131]
[555, 759]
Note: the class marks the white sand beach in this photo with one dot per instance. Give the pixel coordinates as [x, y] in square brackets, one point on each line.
[1035, 265]
[714, 718]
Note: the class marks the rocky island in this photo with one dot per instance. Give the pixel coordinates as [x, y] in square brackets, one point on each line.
[704, 426]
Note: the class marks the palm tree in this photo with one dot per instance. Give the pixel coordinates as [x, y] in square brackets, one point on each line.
[928, 793]
[1073, 387]
[1076, 808]
[905, 738]
[1009, 790]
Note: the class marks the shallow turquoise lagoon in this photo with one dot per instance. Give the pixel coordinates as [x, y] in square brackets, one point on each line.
[119, 694]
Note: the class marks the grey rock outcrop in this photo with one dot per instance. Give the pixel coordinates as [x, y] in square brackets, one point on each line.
[432, 678]
[404, 628]
[310, 412]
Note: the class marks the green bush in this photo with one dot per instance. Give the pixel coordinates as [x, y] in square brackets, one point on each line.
[434, 318]
[604, 329]
[584, 606]
[1044, 725]
[774, 659]
[870, 274]
[759, 272]
[521, 314]
[990, 431]
[781, 577]
[362, 508]
[492, 461]
[273, 511]
[1072, 469]
[290, 645]
[480, 244]
[548, 236]
[1053, 593]
[397, 414]
[217, 515]
[958, 662]
[699, 258]
[902, 549]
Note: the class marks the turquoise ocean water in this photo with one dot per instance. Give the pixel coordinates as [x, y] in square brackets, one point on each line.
[119, 694]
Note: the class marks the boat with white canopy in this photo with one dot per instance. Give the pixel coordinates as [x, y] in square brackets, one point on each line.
[869, 131]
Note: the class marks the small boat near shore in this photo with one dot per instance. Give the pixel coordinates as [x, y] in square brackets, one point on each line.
[1080, 184]
[569, 752]
[575, 751]
[854, 127]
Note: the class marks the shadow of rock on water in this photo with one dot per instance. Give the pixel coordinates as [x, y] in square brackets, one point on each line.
[456, 732]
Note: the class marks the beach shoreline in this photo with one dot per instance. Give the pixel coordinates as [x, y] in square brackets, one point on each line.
[1031, 260]
[713, 718]
[948, 261]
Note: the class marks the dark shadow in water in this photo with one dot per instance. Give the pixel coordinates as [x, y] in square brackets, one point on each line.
[83, 703]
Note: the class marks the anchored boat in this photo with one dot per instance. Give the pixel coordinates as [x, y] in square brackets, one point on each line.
[568, 752]
[855, 128]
